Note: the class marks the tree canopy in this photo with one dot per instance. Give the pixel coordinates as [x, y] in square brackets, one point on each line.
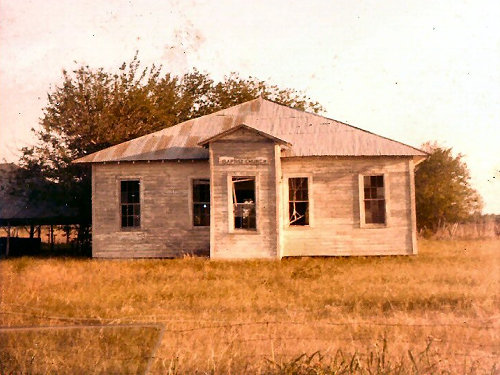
[93, 109]
[442, 189]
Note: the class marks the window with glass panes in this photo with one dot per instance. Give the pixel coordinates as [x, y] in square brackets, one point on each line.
[130, 204]
[201, 202]
[374, 199]
[244, 214]
[298, 201]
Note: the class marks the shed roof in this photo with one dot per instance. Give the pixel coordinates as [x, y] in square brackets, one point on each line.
[19, 209]
[308, 134]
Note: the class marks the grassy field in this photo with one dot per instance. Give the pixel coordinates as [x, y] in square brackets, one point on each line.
[432, 313]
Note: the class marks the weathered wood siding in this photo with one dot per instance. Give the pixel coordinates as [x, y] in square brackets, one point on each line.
[166, 221]
[234, 244]
[335, 216]
[166, 224]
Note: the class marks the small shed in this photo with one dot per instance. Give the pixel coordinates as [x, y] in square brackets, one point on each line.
[19, 210]
[257, 180]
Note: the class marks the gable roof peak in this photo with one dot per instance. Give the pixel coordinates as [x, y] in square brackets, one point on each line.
[234, 129]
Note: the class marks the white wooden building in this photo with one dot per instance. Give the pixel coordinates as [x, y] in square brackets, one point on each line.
[257, 180]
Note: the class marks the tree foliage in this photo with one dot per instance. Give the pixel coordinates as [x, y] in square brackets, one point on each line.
[93, 109]
[442, 189]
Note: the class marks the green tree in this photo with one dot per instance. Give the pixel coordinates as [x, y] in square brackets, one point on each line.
[93, 109]
[442, 189]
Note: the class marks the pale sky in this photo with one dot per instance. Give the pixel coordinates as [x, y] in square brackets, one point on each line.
[409, 70]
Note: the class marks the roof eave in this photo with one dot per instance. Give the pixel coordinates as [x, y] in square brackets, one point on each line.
[82, 160]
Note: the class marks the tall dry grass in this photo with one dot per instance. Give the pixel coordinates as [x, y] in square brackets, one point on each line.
[437, 311]
[76, 350]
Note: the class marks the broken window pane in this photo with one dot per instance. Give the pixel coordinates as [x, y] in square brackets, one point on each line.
[201, 202]
[374, 199]
[298, 201]
[243, 190]
[130, 204]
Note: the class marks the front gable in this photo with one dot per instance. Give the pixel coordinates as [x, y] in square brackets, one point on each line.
[243, 133]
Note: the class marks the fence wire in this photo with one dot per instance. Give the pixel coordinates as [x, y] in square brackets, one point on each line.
[161, 326]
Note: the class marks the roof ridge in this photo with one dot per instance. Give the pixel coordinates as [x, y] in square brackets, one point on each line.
[346, 124]
[209, 114]
[186, 121]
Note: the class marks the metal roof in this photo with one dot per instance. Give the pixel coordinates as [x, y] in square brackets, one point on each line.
[309, 135]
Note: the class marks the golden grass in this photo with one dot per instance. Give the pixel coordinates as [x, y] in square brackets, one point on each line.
[109, 350]
[267, 316]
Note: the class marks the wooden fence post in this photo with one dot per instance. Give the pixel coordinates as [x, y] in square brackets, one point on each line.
[7, 247]
[51, 237]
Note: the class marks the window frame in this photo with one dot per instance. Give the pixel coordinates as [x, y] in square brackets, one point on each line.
[303, 201]
[362, 214]
[141, 204]
[286, 200]
[230, 208]
[191, 202]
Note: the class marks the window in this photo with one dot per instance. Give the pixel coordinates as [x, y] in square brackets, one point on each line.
[244, 202]
[374, 199]
[201, 203]
[130, 204]
[298, 201]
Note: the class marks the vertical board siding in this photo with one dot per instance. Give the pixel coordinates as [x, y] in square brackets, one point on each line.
[166, 227]
[336, 229]
[238, 244]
